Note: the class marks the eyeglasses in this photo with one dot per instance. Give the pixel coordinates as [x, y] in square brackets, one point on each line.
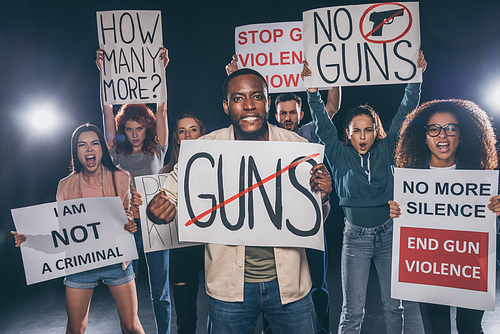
[434, 130]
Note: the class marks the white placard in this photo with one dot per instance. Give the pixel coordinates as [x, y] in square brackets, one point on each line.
[362, 44]
[444, 249]
[156, 237]
[132, 71]
[73, 236]
[248, 193]
[275, 51]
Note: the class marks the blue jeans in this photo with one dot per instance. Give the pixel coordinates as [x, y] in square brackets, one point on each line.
[360, 246]
[240, 317]
[159, 290]
[318, 264]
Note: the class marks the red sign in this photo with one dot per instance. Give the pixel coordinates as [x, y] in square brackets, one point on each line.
[448, 258]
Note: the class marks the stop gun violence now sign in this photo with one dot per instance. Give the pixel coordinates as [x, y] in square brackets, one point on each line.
[444, 247]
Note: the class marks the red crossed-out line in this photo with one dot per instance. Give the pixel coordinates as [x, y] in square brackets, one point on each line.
[258, 184]
[384, 22]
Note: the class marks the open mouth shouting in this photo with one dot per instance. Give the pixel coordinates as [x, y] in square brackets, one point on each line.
[90, 161]
[443, 146]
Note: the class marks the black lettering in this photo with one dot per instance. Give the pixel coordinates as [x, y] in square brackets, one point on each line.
[148, 34]
[84, 260]
[479, 211]
[307, 193]
[328, 32]
[58, 262]
[241, 200]
[46, 267]
[187, 196]
[484, 189]
[344, 64]
[133, 55]
[336, 26]
[470, 188]
[408, 186]
[386, 64]
[77, 209]
[132, 28]
[318, 59]
[73, 233]
[113, 28]
[100, 256]
[110, 85]
[412, 208]
[275, 216]
[94, 228]
[396, 53]
[441, 190]
[462, 210]
[64, 239]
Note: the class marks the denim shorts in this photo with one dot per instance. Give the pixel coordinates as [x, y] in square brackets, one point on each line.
[112, 275]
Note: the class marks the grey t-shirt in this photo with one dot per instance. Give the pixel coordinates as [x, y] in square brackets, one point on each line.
[140, 164]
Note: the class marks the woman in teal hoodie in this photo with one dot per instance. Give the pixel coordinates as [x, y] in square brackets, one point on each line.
[362, 170]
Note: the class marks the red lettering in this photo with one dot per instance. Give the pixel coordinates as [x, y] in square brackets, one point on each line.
[297, 57]
[243, 38]
[258, 57]
[285, 57]
[271, 60]
[269, 36]
[244, 62]
[280, 81]
[253, 32]
[294, 80]
[277, 33]
[296, 34]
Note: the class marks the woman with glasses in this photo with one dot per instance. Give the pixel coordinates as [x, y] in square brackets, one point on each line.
[448, 134]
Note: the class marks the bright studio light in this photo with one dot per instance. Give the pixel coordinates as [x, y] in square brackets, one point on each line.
[493, 98]
[43, 119]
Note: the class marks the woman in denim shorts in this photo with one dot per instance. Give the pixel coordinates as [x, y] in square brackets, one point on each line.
[94, 175]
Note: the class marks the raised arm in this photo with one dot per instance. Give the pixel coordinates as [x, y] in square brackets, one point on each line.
[161, 110]
[334, 94]
[107, 110]
[409, 102]
[108, 118]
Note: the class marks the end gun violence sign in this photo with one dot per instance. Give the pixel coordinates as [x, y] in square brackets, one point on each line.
[444, 249]
[275, 51]
[249, 193]
[362, 44]
[156, 237]
[73, 236]
[132, 71]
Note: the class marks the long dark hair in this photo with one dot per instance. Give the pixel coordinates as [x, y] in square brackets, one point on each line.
[174, 154]
[477, 148]
[106, 161]
[143, 115]
[368, 111]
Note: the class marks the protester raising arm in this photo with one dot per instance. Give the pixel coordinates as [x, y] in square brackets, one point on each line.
[107, 109]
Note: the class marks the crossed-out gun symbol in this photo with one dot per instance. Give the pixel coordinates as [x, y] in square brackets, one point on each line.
[379, 19]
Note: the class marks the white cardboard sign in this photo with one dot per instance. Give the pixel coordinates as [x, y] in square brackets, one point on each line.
[132, 71]
[156, 237]
[275, 51]
[73, 236]
[444, 249]
[249, 193]
[368, 44]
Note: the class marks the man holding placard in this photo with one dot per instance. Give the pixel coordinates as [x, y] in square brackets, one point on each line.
[288, 115]
[235, 302]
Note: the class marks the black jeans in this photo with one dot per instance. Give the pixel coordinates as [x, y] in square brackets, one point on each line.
[185, 264]
[436, 319]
